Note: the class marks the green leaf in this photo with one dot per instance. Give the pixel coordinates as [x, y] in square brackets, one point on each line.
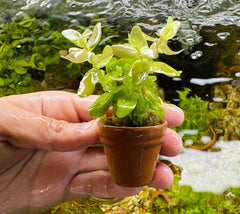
[163, 48]
[1, 82]
[136, 38]
[125, 105]
[36, 62]
[124, 51]
[20, 63]
[101, 105]
[149, 53]
[166, 33]
[87, 32]
[76, 55]
[140, 71]
[163, 68]
[95, 37]
[149, 38]
[139, 113]
[105, 57]
[117, 69]
[116, 65]
[169, 30]
[156, 103]
[20, 70]
[75, 37]
[87, 85]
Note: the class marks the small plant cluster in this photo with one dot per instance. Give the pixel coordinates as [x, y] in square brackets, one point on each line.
[197, 115]
[183, 200]
[28, 49]
[186, 200]
[125, 71]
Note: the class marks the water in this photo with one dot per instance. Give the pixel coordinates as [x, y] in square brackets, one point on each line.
[210, 36]
[148, 13]
[205, 28]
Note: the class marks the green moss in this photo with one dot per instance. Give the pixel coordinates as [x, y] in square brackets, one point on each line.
[183, 201]
[83, 206]
[187, 201]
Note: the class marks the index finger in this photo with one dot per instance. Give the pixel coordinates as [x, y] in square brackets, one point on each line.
[174, 115]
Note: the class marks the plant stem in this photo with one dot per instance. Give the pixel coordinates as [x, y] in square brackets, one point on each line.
[156, 102]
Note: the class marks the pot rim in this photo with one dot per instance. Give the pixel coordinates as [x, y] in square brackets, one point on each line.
[164, 124]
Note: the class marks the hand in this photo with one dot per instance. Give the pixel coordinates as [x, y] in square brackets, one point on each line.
[45, 153]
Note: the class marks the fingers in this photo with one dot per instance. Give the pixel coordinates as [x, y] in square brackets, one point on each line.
[100, 184]
[97, 184]
[58, 169]
[29, 130]
[163, 177]
[172, 143]
[67, 106]
[174, 115]
[59, 105]
[93, 159]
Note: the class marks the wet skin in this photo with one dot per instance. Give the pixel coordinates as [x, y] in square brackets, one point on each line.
[45, 153]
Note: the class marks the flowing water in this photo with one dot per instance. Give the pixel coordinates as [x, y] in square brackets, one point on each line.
[210, 37]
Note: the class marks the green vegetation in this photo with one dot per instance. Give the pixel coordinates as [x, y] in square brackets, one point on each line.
[29, 49]
[176, 200]
[127, 79]
[83, 206]
[185, 200]
[197, 115]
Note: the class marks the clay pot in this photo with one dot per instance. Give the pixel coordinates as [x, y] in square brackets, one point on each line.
[132, 152]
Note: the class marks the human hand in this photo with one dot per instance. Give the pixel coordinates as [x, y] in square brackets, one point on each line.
[46, 156]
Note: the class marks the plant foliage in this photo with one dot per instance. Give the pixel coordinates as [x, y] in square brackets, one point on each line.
[185, 200]
[28, 49]
[197, 115]
[125, 71]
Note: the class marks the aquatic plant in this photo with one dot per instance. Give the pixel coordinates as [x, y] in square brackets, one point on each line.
[228, 125]
[177, 199]
[185, 200]
[29, 48]
[127, 79]
[198, 116]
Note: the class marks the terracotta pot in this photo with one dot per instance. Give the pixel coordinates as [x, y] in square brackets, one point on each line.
[132, 152]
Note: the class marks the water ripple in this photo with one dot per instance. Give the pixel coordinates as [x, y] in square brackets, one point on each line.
[147, 12]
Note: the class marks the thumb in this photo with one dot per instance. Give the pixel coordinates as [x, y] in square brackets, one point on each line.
[25, 129]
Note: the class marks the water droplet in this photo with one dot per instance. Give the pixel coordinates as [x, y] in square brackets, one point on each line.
[189, 37]
[205, 9]
[196, 55]
[223, 35]
[73, 5]
[210, 44]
